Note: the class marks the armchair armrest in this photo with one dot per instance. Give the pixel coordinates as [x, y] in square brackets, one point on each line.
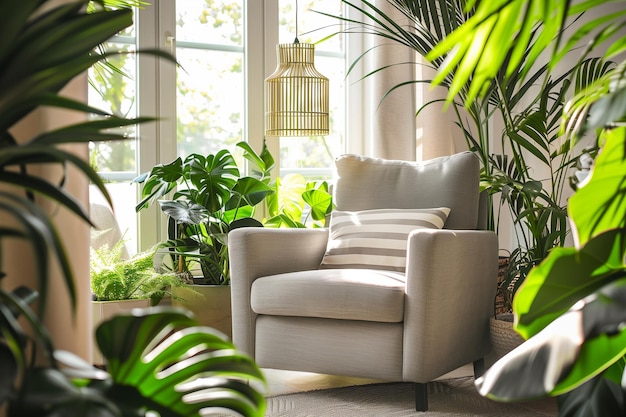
[256, 252]
[451, 285]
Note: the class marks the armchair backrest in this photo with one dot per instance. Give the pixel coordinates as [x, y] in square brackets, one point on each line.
[364, 183]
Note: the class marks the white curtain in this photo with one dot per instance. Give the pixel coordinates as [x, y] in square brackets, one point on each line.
[391, 128]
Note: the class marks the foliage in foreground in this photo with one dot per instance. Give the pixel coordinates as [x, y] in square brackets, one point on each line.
[572, 307]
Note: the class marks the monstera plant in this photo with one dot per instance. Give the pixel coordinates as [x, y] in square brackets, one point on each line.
[210, 197]
[45, 44]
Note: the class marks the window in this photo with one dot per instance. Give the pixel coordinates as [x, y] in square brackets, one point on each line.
[214, 99]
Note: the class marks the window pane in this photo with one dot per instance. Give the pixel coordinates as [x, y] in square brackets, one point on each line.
[210, 83]
[217, 22]
[112, 87]
[209, 100]
[312, 26]
[114, 91]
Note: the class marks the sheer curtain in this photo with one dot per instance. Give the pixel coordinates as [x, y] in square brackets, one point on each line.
[391, 127]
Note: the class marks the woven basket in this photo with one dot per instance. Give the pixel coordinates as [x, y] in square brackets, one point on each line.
[503, 338]
[500, 305]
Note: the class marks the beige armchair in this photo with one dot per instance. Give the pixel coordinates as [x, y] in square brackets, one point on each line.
[295, 309]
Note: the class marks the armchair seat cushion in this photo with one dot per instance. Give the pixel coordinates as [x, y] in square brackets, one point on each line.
[344, 294]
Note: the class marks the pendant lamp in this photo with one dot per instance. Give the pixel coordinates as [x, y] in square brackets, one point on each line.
[296, 93]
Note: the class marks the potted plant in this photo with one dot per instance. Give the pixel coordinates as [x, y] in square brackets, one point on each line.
[528, 179]
[119, 285]
[46, 44]
[571, 306]
[210, 198]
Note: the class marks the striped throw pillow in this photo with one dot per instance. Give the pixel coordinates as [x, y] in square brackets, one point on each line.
[376, 239]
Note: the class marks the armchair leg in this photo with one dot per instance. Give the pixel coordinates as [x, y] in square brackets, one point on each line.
[421, 396]
[479, 367]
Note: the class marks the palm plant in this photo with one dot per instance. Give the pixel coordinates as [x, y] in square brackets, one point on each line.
[46, 45]
[528, 102]
[571, 306]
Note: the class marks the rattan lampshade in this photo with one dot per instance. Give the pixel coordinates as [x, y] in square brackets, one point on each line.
[296, 94]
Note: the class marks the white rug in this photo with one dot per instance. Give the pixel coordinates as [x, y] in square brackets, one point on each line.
[450, 398]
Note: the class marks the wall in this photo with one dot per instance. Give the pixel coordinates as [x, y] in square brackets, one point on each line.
[69, 331]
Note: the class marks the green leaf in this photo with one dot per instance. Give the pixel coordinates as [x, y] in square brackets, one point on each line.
[249, 191]
[162, 354]
[604, 336]
[161, 180]
[283, 220]
[320, 202]
[599, 397]
[184, 211]
[213, 177]
[287, 198]
[600, 204]
[245, 222]
[576, 347]
[564, 277]
[261, 164]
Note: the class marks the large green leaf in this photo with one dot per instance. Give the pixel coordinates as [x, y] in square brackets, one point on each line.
[162, 179]
[576, 347]
[287, 198]
[261, 164]
[248, 191]
[213, 177]
[600, 204]
[184, 211]
[159, 360]
[599, 397]
[565, 276]
[319, 200]
[176, 367]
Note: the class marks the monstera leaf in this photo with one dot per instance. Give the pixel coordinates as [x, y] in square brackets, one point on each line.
[158, 360]
[161, 360]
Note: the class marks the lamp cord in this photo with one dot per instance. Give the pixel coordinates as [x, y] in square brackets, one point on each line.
[296, 40]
